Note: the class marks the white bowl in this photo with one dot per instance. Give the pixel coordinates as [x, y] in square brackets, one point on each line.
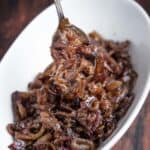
[30, 54]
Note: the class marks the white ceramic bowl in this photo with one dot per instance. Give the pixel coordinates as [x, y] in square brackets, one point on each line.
[30, 54]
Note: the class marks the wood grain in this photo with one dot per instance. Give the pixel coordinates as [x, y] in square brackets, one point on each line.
[16, 14]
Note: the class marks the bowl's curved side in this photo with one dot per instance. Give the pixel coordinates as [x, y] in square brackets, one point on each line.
[29, 54]
[133, 111]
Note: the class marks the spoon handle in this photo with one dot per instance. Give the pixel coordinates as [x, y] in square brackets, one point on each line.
[59, 9]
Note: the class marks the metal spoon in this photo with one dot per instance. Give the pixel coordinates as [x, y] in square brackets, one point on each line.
[64, 23]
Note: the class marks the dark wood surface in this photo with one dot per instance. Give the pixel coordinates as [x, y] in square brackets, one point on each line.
[16, 14]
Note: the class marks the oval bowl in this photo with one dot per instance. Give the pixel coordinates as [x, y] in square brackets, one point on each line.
[30, 53]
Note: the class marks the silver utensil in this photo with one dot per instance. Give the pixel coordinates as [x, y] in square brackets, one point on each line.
[63, 21]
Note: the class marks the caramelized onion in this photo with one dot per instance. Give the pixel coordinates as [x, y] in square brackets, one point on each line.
[82, 144]
[29, 136]
[78, 99]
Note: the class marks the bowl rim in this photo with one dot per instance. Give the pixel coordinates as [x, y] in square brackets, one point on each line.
[109, 143]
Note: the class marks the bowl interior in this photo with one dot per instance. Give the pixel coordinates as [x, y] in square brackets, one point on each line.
[30, 53]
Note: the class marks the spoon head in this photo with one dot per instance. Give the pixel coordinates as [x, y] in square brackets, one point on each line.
[80, 33]
[65, 26]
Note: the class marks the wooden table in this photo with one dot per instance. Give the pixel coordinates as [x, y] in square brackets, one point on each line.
[16, 14]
